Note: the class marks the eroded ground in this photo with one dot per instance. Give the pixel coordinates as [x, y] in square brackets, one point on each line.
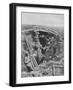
[42, 51]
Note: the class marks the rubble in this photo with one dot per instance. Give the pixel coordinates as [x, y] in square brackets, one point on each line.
[42, 51]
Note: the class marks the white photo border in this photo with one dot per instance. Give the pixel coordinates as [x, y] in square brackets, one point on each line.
[20, 80]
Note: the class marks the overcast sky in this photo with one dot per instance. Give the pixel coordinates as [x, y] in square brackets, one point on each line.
[43, 19]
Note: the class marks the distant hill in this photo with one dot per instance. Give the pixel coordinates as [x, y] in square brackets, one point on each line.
[59, 30]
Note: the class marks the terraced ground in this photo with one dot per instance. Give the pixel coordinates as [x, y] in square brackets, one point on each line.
[42, 51]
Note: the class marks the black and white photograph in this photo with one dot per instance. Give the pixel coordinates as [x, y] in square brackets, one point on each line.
[40, 44]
